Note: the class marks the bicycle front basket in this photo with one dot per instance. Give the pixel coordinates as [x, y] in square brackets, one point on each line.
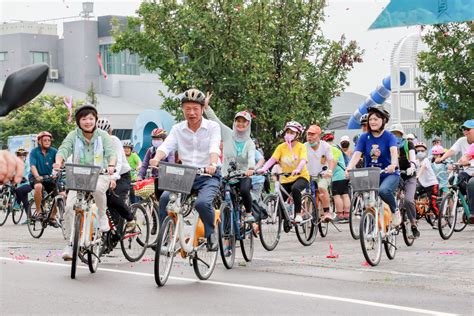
[82, 177]
[176, 178]
[365, 179]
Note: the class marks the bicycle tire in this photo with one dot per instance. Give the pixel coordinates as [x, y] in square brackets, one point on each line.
[367, 225]
[75, 244]
[247, 242]
[139, 237]
[35, 227]
[390, 244]
[17, 215]
[355, 216]
[61, 207]
[272, 223]
[461, 219]
[408, 237]
[226, 234]
[202, 269]
[94, 252]
[165, 239]
[5, 208]
[306, 233]
[447, 211]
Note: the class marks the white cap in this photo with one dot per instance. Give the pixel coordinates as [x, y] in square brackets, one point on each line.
[411, 136]
[345, 138]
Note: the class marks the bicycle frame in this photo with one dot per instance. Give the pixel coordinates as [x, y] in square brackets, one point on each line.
[82, 206]
[457, 194]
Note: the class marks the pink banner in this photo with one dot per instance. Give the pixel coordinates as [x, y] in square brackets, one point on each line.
[99, 60]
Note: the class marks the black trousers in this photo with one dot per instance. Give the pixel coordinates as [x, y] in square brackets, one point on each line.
[116, 198]
[295, 188]
[245, 186]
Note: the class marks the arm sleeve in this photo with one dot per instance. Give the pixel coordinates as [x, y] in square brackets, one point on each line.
[226, 132]
[109, 150]
[457, 146]
[251, 155]
[67, 146]
[215, 139]
[145, 163]
[170, 144]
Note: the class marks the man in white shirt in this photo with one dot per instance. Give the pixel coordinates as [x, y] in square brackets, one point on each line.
[467, 177]
[120, 181]
[319, 156]
[197, 141]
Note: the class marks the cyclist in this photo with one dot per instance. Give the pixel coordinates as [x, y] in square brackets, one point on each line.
[239, 149]
[23, 188]
[363, 123]
[467, 176]
[133, 159]
[380, 150]
[87, 145]
[320, 155]
[440, 170]
[120, 180]
[407, 163]
[426, 176]
[197, 142]
[344, 144]
[292, 157]
[158, 136]
[42, 159]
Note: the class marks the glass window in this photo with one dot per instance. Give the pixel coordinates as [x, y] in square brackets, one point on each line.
[40, 57]
[122, 133]
[122, 63]
[3, 56]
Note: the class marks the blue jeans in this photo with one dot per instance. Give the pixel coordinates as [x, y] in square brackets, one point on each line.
[207, 188]
[388, 187]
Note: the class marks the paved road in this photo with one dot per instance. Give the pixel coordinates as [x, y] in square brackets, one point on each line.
[432, 277]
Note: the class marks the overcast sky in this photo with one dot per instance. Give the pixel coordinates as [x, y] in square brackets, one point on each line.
[351, 18]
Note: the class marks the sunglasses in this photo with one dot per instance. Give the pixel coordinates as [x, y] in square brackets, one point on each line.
[466, 129]
[22, 155]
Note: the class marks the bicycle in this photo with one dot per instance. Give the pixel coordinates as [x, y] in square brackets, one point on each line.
[172, 240]
[372, 236]
[133, 243]
[422, 204]
[405, 226]
[49, 202]
[281, 212]
[453, 205]
[232, 225]
[86, 238]
[7, 204]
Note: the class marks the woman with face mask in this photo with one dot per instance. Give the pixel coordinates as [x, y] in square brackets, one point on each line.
[238, 148]
[426, 176]
[292, 156]
[158, 135]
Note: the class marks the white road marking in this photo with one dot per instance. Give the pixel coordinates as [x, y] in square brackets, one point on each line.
[255, 288]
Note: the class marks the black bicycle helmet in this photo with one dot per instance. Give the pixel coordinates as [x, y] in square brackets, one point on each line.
[379, 109]
[193, 95]
[82, 108]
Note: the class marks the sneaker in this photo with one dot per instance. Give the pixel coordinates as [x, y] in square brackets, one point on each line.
[326, 217]
[104, 224]
[470, 220]
[130, 227]
[67, 253]
[415, 231]
[212, 244]
[53, 222]
[248, 218]
[396, 218]
[298, 218]
[339, 218]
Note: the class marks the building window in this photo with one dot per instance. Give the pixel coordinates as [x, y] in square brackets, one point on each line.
[122, 133]
[122, 63]
[3, 56]
[40, 57]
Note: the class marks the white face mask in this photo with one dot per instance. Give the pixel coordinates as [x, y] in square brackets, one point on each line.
[156, 142]
[421, 155]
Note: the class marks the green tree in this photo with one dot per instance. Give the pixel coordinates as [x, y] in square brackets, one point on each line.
[266, 56]
[448, 83]
[91, 95]
[45, 113]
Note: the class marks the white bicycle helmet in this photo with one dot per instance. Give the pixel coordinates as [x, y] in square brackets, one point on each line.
[127, 143]
[103, 124]
[193, 95]
[294, 126]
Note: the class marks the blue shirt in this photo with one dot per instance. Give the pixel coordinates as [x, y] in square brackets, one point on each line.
[376, 150]
[43, 163]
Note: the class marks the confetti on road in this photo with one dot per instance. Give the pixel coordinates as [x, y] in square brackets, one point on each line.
[450, 253]
[365, 264]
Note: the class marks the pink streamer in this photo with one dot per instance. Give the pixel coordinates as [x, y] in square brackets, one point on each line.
[68, 104]
[99, 60]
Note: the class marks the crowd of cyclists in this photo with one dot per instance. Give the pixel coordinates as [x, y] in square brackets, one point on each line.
[202, 140]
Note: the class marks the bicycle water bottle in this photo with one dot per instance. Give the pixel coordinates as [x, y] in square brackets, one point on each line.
[291, 210]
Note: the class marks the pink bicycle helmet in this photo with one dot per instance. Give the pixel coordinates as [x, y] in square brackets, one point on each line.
[294, 126]
[437, 150]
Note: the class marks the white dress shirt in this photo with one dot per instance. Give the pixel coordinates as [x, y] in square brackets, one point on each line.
[122, 162]
[194, 148]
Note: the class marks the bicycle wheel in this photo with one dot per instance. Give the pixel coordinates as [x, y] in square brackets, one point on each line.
[154, 223]
[35, 226]
[306, 231]
[390, 244]
[93, 252]
[270, 228]
[75, 244]
[431, 218]
[461, 218]
[447, 217]
[355, 215]
[134, 243]
[226, 237]
[204, 262]
[61, 207]
[246, 242]
[370, 238]
[406, 229]
[164, 254]
[17, 214]
[5, 207]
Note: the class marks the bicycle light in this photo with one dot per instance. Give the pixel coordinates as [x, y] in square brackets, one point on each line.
[173, 197]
